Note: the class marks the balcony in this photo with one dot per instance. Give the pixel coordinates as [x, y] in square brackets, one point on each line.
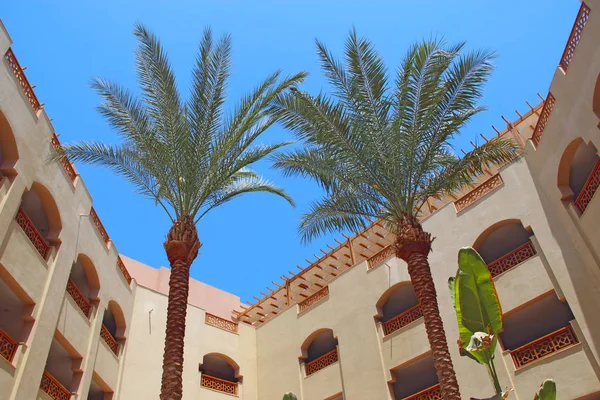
[431, 393]
[66, 164]
[478, 193]
[221, 323]
[575, 36]
[381, 256]
[8, 347]
[544, 346]
[22, 79]
[79, 299]
[589, 189]
[543, 120]
[512, 259]
[219, 385]
[313, 299]
[109, 340]
[402, 320]
[324, 361]
[32, 233]
[53, 388]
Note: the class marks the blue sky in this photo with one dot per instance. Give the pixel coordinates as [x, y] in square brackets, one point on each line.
[252, 241]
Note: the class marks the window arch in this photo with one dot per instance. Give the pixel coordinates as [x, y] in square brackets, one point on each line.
[579, 173]
[113, 326]
[83, 284]
[397, 307]
[504, 245]
[319, 350]
[9, 153]
[39, 218]
[220, 372]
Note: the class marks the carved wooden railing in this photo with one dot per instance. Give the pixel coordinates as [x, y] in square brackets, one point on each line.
[432, 393]
[544, 115]
[32, 233]
[220, 385]
[68, 167]
[510, 260]
[478, 193]
[589, 189]
[580, 21]
[381, 256]
[109, 339]
[222, 323]
[79, 298]
[99, 226]
[321, 362]
[544, 346]
[408, 316]
[123, 270]
[9, 56]
[313, 299]
[8, 347]
[53, 388]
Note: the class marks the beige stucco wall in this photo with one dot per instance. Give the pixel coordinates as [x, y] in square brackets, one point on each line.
[143, 368]
[567, 262]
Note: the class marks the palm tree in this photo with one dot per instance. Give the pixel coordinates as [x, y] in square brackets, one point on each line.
[381, 148]
[187, 156]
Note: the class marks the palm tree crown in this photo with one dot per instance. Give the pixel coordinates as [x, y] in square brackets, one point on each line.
[188, 156]
[380, 147]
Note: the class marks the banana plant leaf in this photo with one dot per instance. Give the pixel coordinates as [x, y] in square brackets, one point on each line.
[475, 302]
[547, 391]
[289, 396]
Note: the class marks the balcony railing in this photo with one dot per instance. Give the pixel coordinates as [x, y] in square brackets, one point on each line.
[99, 226]
[222, 323]
[220, 385]
[313, 299]
[408, 316]
[541, 123]
[32, 233]
[478, 193]
[123, 270]
[324, 361]
[512, 259]
[589, 189]
[580, 21]
[68, 167]
[79, 298]
[53, 388]
[381, 256]
[432, 393]
[23, 82]
[109, 339]
[8, 347]
[544, 346]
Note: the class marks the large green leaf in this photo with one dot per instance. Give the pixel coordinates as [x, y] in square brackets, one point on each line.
[547, 391]
[475, 301]
[289, 396]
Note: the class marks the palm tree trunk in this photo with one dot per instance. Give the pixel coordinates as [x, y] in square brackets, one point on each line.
[182, 246]
[413, 245]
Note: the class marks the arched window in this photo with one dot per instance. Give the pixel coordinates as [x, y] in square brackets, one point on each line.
[539, 329]
[319, 350]
[220, 373]
[579, 173]
[39, 218]
[8, 148]
[15, 324]
[99, 390]
[113, 327]
[398, 307]
[415, 380]
[505, 245]
[59, 379]
[83, 284]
